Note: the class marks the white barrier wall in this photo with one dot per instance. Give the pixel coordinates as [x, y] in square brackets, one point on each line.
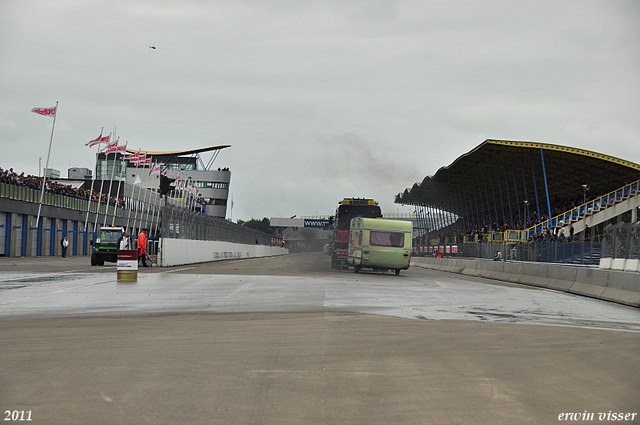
[175, 252]
[611, 285]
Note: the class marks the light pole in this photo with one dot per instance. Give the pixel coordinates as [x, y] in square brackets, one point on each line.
[526, 204]
[585, 187]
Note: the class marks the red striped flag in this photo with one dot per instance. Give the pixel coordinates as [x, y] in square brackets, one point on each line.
[99, 139]
[114, 147]
[111, 147]
[155, 169]
[47, 112]
[133, 158]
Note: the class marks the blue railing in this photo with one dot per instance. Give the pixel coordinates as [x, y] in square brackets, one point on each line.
[591, 207]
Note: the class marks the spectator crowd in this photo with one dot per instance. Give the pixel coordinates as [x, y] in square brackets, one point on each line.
[456, 232]
[34, 182]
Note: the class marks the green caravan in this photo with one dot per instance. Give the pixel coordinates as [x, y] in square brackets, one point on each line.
[380, 244]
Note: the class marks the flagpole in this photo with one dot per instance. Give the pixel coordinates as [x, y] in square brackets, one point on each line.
[106, 158]
[46, 167]
[152, 201]
[134, 201]
[158, 207]
[147, 192]
[139, 205]
[144, 202]
[113, 220]
[144, 199]
[183, 187]
[95, 168]
[113, 170]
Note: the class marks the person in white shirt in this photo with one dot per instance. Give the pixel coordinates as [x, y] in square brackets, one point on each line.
[124, 241]
[65, 244]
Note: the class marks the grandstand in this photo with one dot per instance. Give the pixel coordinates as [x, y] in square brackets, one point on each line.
[526, 194]
[78, 211]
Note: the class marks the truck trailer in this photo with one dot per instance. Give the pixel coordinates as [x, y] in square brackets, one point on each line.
[348, 209]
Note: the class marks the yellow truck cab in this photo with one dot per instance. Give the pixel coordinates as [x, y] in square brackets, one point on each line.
[380, 244]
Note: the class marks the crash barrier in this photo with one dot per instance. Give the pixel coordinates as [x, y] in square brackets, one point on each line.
[176, 252]
[609, 285]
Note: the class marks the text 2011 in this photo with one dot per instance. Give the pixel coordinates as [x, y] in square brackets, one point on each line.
[17, 415]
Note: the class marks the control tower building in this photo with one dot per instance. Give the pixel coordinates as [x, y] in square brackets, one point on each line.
[212, 183]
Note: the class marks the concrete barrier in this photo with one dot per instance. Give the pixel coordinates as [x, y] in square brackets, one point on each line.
[632, 265]
[559, 277]
[623, 287]
[618, 263]
[533, 274]
[602, 283]
[590, 282]
[176, 252]
[605, 263]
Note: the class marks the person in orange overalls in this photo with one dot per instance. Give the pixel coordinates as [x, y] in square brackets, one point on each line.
[142, 247]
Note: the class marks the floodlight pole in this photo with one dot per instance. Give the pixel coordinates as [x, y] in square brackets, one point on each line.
[585, 187]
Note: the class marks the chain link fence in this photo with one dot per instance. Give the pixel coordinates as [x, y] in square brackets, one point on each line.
[183, 223]
[578, 252]
[621, 240]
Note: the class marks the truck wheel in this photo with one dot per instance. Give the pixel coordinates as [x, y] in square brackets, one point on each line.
[356, 269]
[397, 272]
[94, 260]
[101, 262]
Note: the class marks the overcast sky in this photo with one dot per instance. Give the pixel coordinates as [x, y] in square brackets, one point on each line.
[319, 100]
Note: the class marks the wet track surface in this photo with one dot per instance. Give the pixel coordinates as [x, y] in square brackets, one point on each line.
[287, 340]
[416, 294]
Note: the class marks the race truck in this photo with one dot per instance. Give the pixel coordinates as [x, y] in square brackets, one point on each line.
[348, 209]
[105, 247]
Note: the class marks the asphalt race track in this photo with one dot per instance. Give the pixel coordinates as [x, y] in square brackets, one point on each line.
[287, 340]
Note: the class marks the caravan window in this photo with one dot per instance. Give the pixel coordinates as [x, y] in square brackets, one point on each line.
[384, 238]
